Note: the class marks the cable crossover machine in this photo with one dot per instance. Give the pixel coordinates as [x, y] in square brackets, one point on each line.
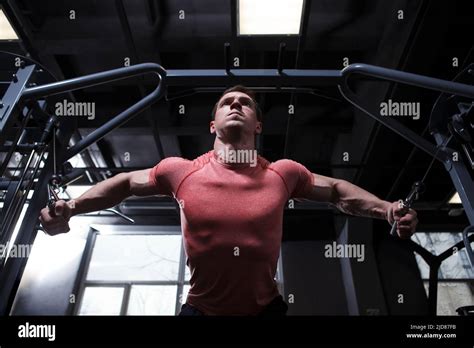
[44, 149]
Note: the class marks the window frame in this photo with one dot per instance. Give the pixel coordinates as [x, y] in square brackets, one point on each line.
[95, 230]
[462, 254]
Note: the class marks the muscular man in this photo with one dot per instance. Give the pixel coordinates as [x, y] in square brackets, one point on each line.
[231, 210]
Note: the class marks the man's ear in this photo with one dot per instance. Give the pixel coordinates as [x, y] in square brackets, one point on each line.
[258, 128]
[212, 127]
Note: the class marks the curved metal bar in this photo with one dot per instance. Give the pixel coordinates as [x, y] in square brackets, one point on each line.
[408, 78]
[98, 79]
[93, 80]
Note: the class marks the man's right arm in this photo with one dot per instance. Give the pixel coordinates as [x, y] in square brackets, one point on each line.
[105, 194]
[110, 192]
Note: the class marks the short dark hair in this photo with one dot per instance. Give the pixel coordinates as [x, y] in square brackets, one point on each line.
[242, 89]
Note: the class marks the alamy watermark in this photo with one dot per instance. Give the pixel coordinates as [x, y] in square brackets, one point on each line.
[67, 108]
[334, 250]
[391, 108]
[238, 156]
[28, 330]
[16, 250]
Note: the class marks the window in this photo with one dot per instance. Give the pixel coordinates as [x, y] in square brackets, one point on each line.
[6, 29]
[455, 276]
[137, 271]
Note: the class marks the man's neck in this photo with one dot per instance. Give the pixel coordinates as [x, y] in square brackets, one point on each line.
[224, 149]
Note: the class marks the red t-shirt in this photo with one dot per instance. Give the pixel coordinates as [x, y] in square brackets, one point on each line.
[231, 217]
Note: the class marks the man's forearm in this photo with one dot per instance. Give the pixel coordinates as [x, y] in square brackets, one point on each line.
[354, 200]
[105, 194]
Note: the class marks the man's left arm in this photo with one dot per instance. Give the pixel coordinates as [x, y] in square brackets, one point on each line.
[354, 200]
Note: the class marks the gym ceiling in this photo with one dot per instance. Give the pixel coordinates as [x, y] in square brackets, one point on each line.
[104, 34]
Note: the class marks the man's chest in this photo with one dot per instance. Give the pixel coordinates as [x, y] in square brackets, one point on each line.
[229, 200]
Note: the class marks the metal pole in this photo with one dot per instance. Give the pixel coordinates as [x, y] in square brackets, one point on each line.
[253, 77]
[10, 99]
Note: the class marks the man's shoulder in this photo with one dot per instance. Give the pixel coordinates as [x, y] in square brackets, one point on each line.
[203, 159]
[285, 165]
[182, 163]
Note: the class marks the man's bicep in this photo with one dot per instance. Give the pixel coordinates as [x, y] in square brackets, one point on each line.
[323, 189]
[141, 183]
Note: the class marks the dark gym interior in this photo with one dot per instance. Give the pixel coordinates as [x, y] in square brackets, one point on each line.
[107, 265]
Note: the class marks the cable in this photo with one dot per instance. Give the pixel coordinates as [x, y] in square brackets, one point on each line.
[419, 185]
[439, 147]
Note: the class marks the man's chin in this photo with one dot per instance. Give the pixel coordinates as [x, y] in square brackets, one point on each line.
[235, 128]
[234, 123]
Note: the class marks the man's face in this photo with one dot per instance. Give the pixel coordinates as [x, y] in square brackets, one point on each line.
[236, 110]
